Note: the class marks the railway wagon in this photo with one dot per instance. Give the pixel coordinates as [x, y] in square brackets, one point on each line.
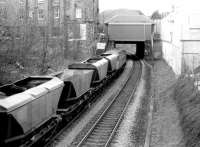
[34, 106]
[26, 105]
[76, 89]
[131, 29]
[98, 64]
[83, 78]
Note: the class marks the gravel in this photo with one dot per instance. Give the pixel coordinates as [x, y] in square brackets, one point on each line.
[132, 131]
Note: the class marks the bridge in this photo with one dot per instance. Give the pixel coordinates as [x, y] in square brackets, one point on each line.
[131, 29]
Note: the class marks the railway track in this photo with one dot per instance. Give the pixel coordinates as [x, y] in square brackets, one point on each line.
[104, 128]
[63, 127]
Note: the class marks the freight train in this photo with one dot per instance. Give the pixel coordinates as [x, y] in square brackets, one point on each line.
[33, 107]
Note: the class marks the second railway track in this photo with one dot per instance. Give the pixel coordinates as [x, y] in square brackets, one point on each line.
[104, 128]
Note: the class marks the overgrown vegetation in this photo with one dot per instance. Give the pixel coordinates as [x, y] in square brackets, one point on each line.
[26, 47]
[27, 50]
[187, 97]
[38, 37]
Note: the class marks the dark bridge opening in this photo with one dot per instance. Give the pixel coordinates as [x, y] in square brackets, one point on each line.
[140, 47]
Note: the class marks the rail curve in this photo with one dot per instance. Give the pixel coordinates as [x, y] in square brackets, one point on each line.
[104, 128]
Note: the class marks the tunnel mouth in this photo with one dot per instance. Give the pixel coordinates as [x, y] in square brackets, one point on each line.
[140, 48]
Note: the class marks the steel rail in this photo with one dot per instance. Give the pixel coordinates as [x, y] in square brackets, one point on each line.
[109, 108]
[60, 132]
[122, 114]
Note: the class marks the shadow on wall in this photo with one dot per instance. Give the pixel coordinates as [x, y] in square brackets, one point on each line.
[157, 49]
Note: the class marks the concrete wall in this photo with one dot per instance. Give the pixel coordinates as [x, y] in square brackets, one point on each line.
[191, 55]
[171, 44]
[172, 54]
[181, 40]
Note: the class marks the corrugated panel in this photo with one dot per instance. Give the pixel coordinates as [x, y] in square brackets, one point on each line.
[126, 32]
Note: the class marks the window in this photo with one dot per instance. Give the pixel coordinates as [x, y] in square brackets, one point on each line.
[22, 3]
[31, 13]
[56, 12]
[68, 4]
[21, 13]
[56, 2]
[41, 14]
[76, 31]
[78, 13]
[3, 13]
[55, 31]
[83, 30]
[40, 1]
[41, 9]
[79, 31]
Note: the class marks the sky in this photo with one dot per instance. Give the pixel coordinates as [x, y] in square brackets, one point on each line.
[146, 6]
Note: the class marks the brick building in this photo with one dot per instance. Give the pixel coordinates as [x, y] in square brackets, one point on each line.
[82, 26]
[75, 20]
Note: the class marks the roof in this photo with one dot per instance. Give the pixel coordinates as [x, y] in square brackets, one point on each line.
[107, 14]
[129, 19]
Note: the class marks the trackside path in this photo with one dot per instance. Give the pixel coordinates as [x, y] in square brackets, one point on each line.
[165, 128]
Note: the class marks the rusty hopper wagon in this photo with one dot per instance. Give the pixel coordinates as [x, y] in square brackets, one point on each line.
[131, 29]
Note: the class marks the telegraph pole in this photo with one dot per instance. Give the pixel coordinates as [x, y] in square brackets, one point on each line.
[26, 12]
[35, 12]
[26, 27]
[50, 16]
[65, 28]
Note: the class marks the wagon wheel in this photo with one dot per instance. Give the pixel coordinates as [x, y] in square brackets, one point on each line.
[52, 131]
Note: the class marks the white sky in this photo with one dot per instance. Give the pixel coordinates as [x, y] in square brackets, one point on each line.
[146, 6]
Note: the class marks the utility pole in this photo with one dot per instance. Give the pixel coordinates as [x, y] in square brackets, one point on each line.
[50, 16]
[35, 12]
[65, 28]
[46, 36]
[26, 28]
[26, 12]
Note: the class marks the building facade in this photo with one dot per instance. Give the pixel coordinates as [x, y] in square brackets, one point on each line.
[180, 36]
[76, 20]
[82, 16]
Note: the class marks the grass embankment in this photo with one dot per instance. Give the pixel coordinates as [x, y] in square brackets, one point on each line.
[187, 98]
